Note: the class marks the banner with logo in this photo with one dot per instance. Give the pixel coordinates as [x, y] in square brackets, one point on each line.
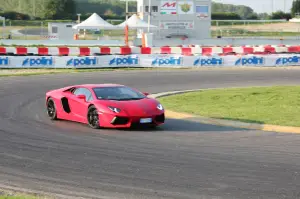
[177, 25]
[168, 7]
[162, 60]
[31, 62]
[228, 61]
[185, 7]
[202, 11]
[153, 60]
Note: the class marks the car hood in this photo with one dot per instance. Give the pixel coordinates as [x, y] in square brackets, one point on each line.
[133, 107]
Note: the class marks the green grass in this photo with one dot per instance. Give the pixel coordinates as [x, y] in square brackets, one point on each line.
[15, 195]
[18, 197]
[265, 105]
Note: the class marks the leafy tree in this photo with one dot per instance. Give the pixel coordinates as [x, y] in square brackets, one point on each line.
[51, 8]
[225, 16]
[243, 11]
[264, 16]
[281, 15]
[109, 12]
[295, 7]
[59, 9]
[12, 15]
[253, 16]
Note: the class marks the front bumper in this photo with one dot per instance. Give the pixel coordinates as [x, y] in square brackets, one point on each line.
[116, 121]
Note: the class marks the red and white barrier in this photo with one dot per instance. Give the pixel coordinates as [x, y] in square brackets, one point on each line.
[187, 51]
[49, 37]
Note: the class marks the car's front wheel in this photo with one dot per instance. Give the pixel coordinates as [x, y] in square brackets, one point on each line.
[93, 117]
[51, 109]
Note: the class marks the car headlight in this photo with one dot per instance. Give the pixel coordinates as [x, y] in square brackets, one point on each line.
[160, 107]
[114, 109]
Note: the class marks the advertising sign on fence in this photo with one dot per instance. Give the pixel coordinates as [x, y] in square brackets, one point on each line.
[207, 61]
[202, 11]
[159, 60]
[168, 7]
[131, 60]
[177, 25]
[185, 7]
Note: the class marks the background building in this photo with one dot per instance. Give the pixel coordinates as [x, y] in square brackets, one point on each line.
[178, 18]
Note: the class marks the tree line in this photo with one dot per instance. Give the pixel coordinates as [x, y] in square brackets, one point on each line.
[115, 9]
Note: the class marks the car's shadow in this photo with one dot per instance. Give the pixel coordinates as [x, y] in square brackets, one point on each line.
[171, 125]
[180, 125]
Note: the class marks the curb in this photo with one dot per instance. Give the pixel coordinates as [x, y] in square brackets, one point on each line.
[223, 122]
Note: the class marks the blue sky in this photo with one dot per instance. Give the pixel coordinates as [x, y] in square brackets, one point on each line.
[261, 5]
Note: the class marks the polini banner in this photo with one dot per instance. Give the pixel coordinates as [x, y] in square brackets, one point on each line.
[167, 61]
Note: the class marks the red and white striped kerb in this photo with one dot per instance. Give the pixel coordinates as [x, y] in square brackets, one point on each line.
[189, 51]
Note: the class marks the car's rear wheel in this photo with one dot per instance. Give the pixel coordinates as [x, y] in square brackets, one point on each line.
[51, 109]
[93, 117]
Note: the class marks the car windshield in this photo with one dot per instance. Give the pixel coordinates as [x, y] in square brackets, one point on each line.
[120, 93]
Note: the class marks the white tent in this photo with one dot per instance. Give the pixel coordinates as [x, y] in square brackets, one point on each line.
[95, 22]
[134, 22]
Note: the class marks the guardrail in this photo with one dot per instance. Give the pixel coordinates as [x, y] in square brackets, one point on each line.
[151, 60]
[187, 51]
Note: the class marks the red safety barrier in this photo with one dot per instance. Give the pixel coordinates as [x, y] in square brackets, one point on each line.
[3, 50]
[125, 50]
[165, 50]
[43, 51]
[63, 51]
[248, 50]
[21, 50]
[146, 50]
[227, 50]
[84, 51]
[294, 49]
[269, 49]
[105, 50]
[186, 51]
[206, 51]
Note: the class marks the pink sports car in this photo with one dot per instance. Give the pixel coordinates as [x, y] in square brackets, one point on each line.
[104, 105]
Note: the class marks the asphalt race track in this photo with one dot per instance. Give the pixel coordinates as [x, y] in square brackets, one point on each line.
[179, 160]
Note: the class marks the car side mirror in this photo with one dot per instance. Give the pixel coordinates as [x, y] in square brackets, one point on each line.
[146, 94]
[81, 97]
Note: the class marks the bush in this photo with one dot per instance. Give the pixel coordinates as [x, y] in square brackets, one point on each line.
[15, 15]
[225, 16]
[281, 15]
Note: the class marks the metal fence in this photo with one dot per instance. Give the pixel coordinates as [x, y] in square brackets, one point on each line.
[255, 29]
[38, 30]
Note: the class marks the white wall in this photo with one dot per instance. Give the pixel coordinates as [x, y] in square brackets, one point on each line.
[201, 26]
[64, 30]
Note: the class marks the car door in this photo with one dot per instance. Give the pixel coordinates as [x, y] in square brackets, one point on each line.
[79, 106]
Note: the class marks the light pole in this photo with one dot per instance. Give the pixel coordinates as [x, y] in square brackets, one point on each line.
[149, 15]
[78, 17]
[3, 19]
[126, 10]
[33, 5]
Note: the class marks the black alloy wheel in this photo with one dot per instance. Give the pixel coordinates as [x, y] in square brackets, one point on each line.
[93, 118]
[51, 109]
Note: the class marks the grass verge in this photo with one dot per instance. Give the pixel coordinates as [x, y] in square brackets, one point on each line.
[29, 72]
[15, 195]
[19, 197]
[278, 105]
